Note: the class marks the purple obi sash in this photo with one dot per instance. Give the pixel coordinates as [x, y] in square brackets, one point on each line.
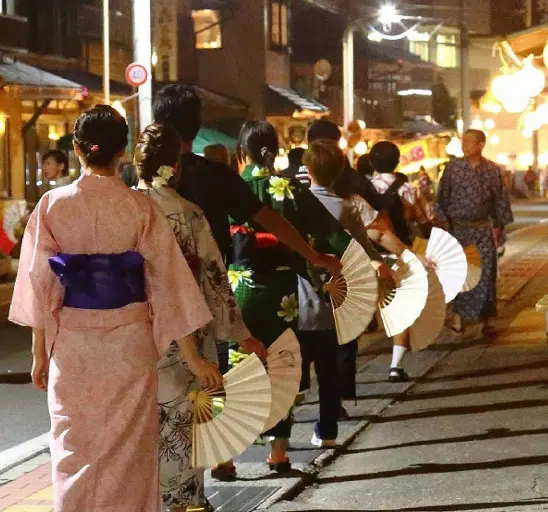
[101, 281]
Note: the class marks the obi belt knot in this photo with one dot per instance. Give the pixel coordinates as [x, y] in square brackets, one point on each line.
[101, 281]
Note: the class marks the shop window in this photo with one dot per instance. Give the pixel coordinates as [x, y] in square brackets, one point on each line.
[7, 7]
[446, 51]
[5, 177]
[207, 29]
[279, 14]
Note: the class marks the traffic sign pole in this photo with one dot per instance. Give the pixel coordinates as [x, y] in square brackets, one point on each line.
[142, 31]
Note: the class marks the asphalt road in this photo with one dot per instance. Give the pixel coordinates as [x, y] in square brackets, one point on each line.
[529, 213]
[23, 409]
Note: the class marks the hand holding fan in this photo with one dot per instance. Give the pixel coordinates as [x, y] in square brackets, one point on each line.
[353, 294]
[473, 276]
[242, 419]
[402, 299]
[284, 369]
[448, 257]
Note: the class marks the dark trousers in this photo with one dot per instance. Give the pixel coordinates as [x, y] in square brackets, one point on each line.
[320, 348]
[347, 355]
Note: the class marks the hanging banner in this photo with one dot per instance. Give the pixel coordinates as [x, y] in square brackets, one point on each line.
[164, 16]
[414, 152]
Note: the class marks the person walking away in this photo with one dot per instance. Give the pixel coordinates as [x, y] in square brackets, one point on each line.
[364, 167]
[353, 213]
[55, 169]
[349, 181]
[264, 272]
[156, 155]
[530, 179]
[295, 157]
[385, 158]
[474, 205]
[219, 153]
[215, 188]
[317, 332]
[106, 290]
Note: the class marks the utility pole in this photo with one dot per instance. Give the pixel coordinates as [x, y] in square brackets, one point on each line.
[142, 48]
[348, 73]
[106, 51]
[464, 71]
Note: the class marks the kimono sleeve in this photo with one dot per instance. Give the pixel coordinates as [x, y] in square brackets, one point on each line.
[32, 296]
[352, 221]
[503, 207]
[443, 197]
[176, 304]
[228, 323]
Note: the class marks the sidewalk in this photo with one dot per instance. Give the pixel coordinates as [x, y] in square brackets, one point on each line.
[524, 276]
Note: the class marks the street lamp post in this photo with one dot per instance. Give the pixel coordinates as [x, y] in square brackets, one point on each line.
[106, 51]
[348, 73]
[464, 72]
[142, 48]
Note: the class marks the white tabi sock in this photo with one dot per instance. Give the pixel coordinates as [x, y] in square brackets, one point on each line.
[397, 355]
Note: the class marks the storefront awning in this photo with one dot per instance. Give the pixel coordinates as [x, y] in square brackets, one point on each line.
[287, 102]
[530, 41]
[214, 98]
[94, 83]
[33, 83]
[207, 137]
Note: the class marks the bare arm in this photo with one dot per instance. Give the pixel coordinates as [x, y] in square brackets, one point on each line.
[40, 363]
[284, 230]
[208, 374]
[387, 240]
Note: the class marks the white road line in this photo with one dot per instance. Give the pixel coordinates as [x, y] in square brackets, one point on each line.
[22, 452]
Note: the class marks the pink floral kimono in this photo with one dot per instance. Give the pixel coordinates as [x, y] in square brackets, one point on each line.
[102, 390]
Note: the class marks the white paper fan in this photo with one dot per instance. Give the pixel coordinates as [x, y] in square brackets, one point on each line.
[402, 301]
[354, 294]
[283, 365]
[242, 419]
[473, 276]
[430, 323]
[447, 254]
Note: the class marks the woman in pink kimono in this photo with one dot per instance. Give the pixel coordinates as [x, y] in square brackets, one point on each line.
[156, 157]
[104, 286]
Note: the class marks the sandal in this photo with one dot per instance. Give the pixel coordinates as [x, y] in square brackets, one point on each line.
[279, 467]
[400, 377]
[206, 507]
[224, 473]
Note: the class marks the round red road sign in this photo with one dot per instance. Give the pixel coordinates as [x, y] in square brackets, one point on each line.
[136, 74]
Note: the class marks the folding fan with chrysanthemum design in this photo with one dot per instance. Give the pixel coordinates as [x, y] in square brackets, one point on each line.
[353, 294]
[246, 409]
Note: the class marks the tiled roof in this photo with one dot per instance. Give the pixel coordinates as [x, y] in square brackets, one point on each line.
[18, 73]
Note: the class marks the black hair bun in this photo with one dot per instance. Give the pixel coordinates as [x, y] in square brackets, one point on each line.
[101, 133]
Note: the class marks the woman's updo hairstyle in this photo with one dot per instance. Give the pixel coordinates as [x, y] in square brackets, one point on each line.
[101, 133]
[158, 145]
[258, 141]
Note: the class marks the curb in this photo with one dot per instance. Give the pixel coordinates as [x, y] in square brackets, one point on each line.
[13, 457]
[312, 470]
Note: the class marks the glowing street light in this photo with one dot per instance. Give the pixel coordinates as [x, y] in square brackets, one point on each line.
[360, 148]
[532, 80]
[388, 16]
